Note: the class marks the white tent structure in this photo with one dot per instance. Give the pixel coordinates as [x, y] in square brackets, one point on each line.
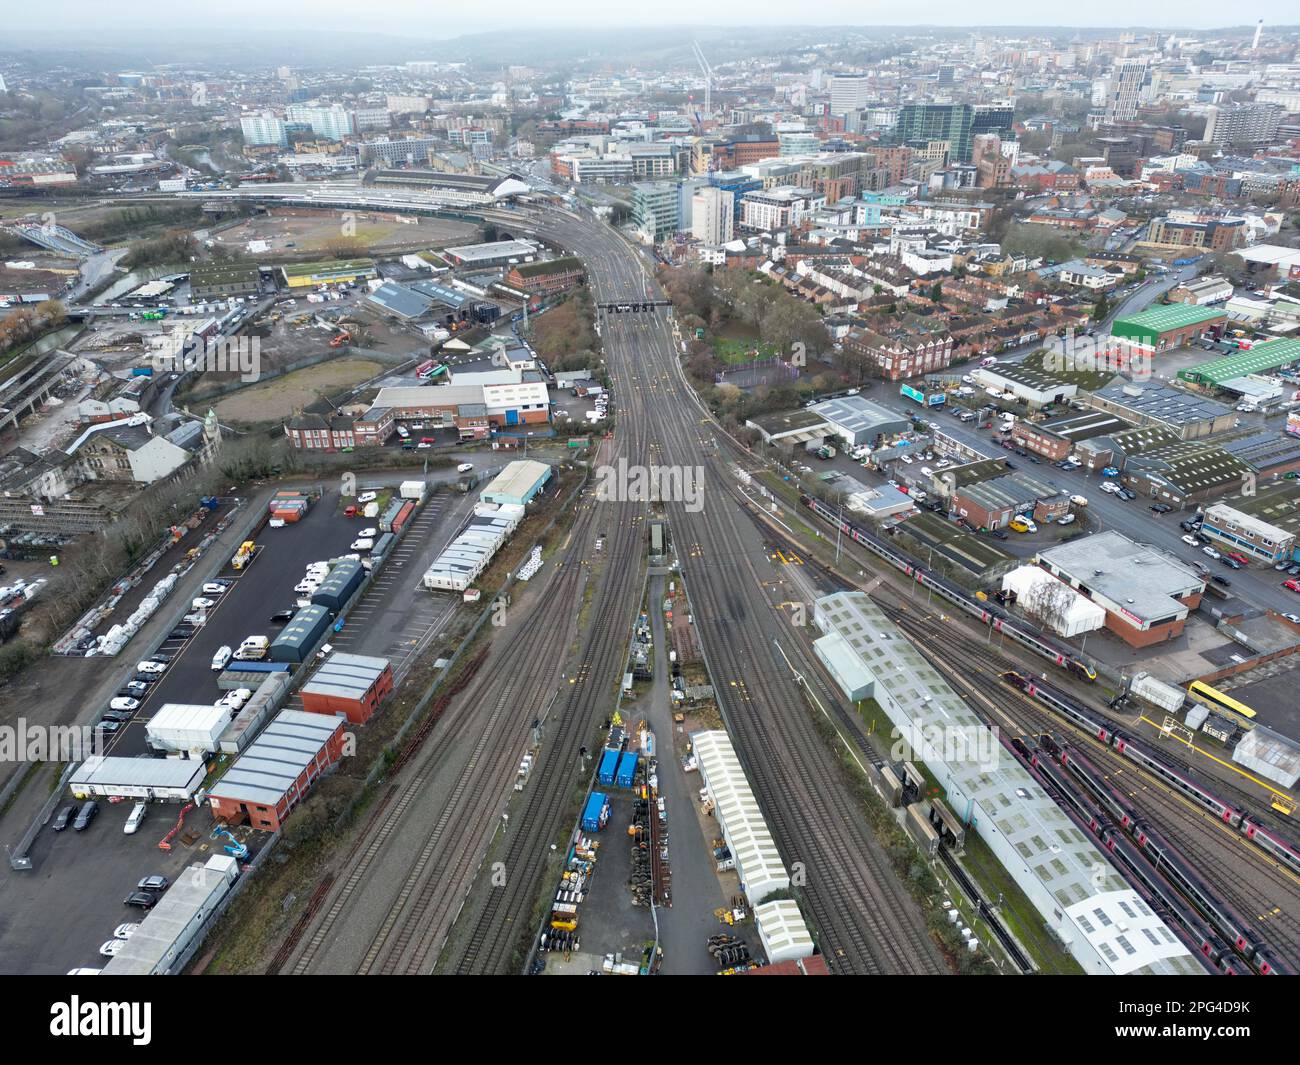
[1052, 603]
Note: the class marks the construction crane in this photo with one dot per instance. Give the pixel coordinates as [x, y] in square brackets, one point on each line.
[708, 77]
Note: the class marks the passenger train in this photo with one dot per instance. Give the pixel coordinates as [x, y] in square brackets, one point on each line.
[1234, 816]
[1158, 892]
[987, 613]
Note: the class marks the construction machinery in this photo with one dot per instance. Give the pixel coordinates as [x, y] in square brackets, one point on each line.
[234, 848]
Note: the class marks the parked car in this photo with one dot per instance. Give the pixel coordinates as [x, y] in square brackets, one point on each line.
[157, 882]
[213, 588]
[1079, 501]
[146, 900]
[181, 632]
[85, 815]
[1292, 585]
[1231, 563]
[370, 532]
[111, 947]
[1207, 550]
[998, 534]
[202, 603]
[118, 717]
[222, 658]
[135, 818]
[63, 818]
[108, 727]
[1293, 618]
[1161, 508]
[1190, 540]
[283, 616]
[1067, 520]
[1218, 578]
[124, 703]
[151, 667]
[126, 930]
[465, 467]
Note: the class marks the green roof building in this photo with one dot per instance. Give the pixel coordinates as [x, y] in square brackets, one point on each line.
[1167, 325]
[1269, 355]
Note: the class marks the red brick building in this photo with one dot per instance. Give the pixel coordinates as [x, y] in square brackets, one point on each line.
[276, 771]
[901, 356]
[546, 278]
[352, 685]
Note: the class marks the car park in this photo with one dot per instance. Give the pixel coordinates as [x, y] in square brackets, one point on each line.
[63, 818]
[124, 703]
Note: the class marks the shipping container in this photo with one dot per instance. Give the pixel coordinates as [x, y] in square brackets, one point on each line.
[608, 767]
[626, 769]
[382, 546]
[595, 814]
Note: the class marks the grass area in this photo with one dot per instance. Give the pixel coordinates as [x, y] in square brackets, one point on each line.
[734, 350]
[1017, 912]
[280, 397]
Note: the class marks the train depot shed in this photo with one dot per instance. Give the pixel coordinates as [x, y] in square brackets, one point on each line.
[1080, 895]
[750, 841]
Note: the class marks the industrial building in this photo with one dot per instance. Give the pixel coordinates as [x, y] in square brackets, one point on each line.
[1080, 896]
[1147, 594]
[1057, 438]
[493, 254]
[297, 639]
[519, 483]
[1186, 414]
[223, 281]
[858, 421]
[332, 272]
[274, 773]
[174, 929]
[758, 862]
[1163, 327]
[1034, 387]
[340, 585]
[471, 551]
[1261, 358]
[995, 501]
[137, 778]
[347, 684]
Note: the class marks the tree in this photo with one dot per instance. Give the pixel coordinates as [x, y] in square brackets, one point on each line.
[936, 292]
[1101, 308]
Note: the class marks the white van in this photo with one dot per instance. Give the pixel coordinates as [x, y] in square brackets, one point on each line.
[135, 818]
[221, 659]
[253, 649]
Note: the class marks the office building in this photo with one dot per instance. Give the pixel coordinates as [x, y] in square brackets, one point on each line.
[921, 125]
[654, 209]
[849, 92]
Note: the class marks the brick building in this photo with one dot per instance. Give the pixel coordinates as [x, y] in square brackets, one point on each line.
[901, 356]
[546, 278]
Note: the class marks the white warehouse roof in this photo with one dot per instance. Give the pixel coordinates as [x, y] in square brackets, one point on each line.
[757, 860]
[782, 930]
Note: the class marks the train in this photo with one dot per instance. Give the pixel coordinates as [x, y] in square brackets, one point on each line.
[1267, 840]
[987, 613]
[1159, 894]
[1165, 858]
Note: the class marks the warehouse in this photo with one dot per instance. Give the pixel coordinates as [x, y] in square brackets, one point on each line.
[1057, 438]
[858, 421]
[789, 429]
[758, 863]
[300, 636]
[174, 928]
[331, 272]
[492, 254]
[1188, 415]
[1236, 530]
[1164, 327]
[1186, 474]
[782, 931]
[278, 768]
[518, 483]
[399, 300]
[1034, 387]
[342, 582]
[1051, 603]
[1081, 897]
[191, 729]
[222, 281]
[352, 685]
[991, 504]
[1147, 595]
[1262, 358]
[137, 778]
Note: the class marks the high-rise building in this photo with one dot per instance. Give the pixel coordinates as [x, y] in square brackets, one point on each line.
[1123, 88]
[921, 125]
[3, 87]
[332, 123]
[849, 92]
[263, 129]
[712, 216]
[654, 209]
[1243, 124]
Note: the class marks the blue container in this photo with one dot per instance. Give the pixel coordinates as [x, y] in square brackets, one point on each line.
[627, 769]
[596, 813]
[608, 765]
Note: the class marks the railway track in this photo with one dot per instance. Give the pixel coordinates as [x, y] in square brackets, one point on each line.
[478, 713]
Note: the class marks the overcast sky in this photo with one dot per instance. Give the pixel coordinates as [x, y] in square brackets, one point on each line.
[422, 18]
